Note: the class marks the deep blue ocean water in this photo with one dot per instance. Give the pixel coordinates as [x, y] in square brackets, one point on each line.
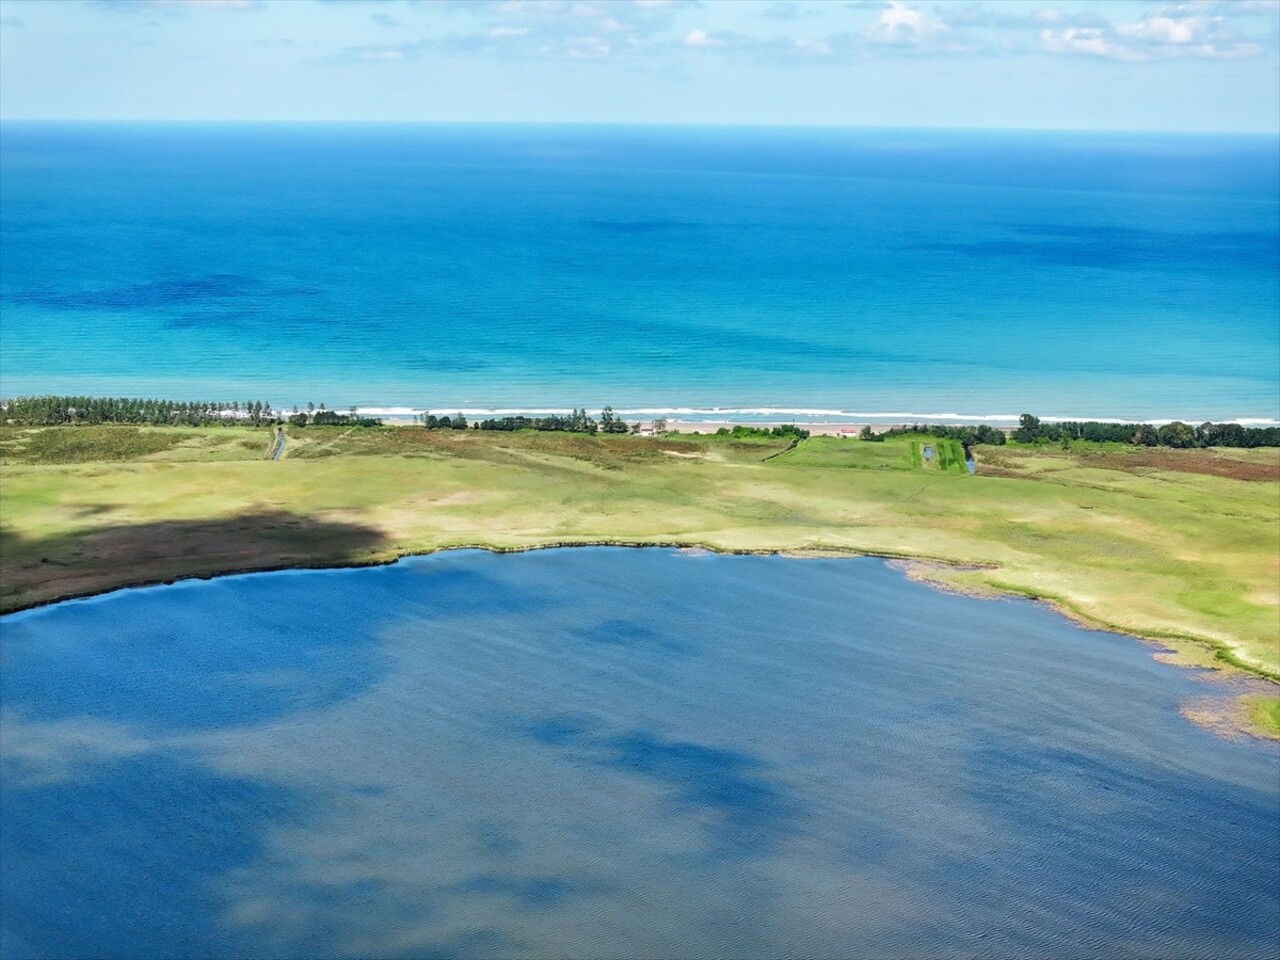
[613, 753]
[541, 268]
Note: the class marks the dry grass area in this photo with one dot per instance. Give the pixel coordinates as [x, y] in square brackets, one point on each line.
[1260, 465]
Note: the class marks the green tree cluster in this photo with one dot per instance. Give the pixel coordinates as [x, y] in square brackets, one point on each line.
[431, 422]
[741, 431]
[576, 422]
[53, 410]
[1176, 434]
[329, 418]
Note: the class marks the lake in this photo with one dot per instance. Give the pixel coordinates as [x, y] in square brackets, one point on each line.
[616, 753]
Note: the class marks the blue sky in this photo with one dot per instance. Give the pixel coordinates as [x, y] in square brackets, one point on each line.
[1206, 65]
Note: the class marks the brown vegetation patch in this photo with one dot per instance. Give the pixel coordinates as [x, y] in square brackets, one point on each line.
[1013, 462]
[1000, 462]
[1219, 715]
[39, 571]
[1208, 462]
[990, 470]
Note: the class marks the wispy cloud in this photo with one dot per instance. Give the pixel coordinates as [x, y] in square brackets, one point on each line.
[178, 6]
[1237, 8]
[717, 38]
[897, 29]
[790, 10]
[385, 52]
[1201, 29]
[539, 29]
[976, 15]
[663, 31]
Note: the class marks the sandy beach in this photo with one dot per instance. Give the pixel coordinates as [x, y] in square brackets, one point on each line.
[817, 429]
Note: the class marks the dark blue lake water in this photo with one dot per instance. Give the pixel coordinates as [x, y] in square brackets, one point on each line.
[613, 753]
[789, 271]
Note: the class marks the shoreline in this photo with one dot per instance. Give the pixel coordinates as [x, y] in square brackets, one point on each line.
[828, 420]
[1171, 648]
[148, 583]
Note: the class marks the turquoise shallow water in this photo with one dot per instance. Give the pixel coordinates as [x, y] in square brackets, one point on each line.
[624, 753]
[792, 273]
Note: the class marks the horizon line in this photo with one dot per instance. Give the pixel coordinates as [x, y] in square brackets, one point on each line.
[682, 124]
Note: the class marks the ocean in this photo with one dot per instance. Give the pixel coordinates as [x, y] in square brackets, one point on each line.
[701, 273]
[616, 753]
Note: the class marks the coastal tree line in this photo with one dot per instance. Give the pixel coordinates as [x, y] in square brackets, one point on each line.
[782, 431]
[1031, 429]
[1176, 434]
[51, 410]
[576, 422]
[54, 410]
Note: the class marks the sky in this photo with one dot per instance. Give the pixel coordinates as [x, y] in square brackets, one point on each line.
[1191, 65]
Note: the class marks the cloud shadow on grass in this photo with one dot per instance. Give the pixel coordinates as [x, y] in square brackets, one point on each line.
[100, 558]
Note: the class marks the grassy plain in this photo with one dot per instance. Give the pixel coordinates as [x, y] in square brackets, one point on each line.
[1177, 545]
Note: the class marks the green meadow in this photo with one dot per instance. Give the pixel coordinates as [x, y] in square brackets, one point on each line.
[1180, 546]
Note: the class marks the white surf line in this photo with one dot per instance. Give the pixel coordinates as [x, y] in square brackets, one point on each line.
[812, 414]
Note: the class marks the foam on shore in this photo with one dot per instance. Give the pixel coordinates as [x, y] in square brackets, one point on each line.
[813, 415]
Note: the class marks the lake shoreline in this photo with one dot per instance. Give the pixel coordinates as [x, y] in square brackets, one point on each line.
[1175, 547]
[919, 569]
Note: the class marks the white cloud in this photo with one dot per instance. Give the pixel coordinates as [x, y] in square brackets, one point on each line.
[899, 23]
[1159, 29]
[1086, 40]
[728, 42]
[907, 30]
[1190, 30]
[911, 30]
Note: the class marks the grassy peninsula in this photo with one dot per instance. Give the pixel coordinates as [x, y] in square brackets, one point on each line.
[1178, 545]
